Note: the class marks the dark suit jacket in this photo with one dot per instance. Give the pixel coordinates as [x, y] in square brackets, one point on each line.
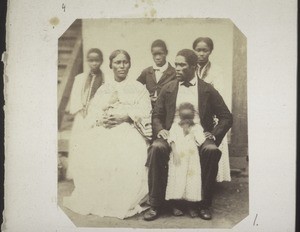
[147, 78]
[210, 103]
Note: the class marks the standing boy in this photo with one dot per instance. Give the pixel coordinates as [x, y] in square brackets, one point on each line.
[156, 76]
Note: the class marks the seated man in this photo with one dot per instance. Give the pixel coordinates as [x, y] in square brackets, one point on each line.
[207, 103]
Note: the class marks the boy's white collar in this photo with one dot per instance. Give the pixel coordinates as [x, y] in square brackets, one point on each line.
[162, 68]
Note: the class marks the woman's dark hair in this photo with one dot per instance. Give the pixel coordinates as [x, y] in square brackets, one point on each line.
[117, 52]
[160, 43]
[97, 51]
[189, 55]
[206, 40]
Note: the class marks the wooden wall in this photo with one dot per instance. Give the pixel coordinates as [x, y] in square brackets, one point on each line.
[239, 133]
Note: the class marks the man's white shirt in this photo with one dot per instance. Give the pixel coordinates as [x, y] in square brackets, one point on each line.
[188, 94]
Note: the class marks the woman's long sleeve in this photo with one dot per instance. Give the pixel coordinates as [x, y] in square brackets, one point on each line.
[95, 109]
[141, 107]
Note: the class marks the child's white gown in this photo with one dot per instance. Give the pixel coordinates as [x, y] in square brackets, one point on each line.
[109, 170]
[184, 180]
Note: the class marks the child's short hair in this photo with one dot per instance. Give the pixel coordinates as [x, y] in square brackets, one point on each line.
[186, 106]
[97, 51]
[159, 43]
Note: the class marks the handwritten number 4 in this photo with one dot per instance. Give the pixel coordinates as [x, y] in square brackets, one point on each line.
[63, 6]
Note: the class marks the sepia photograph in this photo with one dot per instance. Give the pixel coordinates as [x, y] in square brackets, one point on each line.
[150, 115]
[152, 123]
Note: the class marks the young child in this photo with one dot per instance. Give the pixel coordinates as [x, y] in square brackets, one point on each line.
[184, 177]
[84, 88]
[156, 76]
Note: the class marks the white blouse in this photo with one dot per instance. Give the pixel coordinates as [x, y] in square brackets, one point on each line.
[126, 97]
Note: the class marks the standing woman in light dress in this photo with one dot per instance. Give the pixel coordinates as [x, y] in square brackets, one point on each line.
[110, 176]
[211, 73]
[84, 88]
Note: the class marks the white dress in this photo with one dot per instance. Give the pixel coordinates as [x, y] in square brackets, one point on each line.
[109, 170]
[76, 107]
[184, 180]
[215, 77]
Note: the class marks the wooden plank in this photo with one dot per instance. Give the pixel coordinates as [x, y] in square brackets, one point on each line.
[68, 50]
[238, 163]
[61, 72]
[70, 34]
[63, 141]
[66, 43]
[239, 132]
[66, 84]
[63, 61]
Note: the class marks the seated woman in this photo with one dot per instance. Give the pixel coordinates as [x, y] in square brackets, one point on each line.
[110, 177]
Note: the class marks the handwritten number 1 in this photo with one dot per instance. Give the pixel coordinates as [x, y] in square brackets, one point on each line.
[254, 222]
[63, 6]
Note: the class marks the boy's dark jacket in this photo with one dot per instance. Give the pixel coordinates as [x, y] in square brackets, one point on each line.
[147, 78]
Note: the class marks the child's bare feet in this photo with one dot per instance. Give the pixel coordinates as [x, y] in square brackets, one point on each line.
[176, 212]
[193, 212]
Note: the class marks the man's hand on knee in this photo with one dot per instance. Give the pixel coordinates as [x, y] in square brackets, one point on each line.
[209, 135]
[164, 134]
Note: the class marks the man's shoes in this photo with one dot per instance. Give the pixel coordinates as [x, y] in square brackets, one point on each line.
[177, 212]
[193, 212]
[205, 214]
[151, 214]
